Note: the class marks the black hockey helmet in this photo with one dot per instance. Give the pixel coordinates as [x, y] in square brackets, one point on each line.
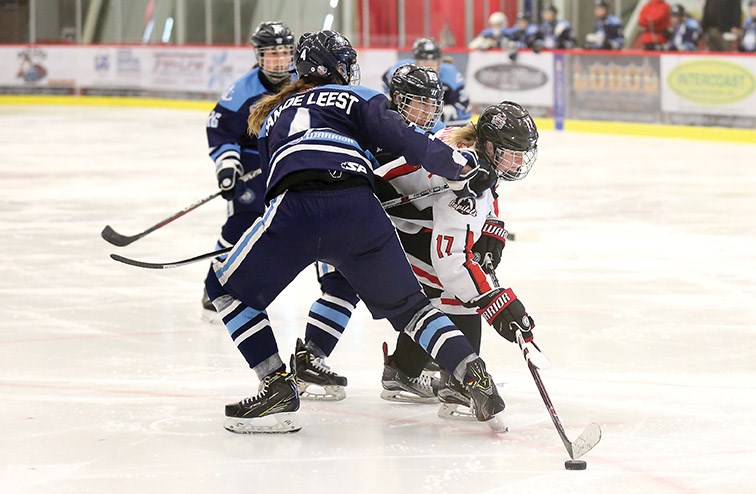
[417, 94]
[550, 7]
[272, 33]
[327, 55]
[601, 3]
[426, 49]
[677, 10]
[274, 49]
[514, 138]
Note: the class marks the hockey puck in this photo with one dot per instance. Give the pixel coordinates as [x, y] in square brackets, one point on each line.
[575, 465]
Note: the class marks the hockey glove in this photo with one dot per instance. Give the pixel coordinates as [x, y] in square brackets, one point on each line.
[228, 174]
[484, 179]
[461, 187]
[492, 240]
[506, 314]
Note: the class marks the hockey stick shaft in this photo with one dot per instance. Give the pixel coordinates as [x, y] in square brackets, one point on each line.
[174, 264]
[120, 240]
[592, 434]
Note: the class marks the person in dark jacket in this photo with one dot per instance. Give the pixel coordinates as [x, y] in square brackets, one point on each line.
[720, 22]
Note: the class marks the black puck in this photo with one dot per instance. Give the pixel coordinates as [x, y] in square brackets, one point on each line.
[575, 465]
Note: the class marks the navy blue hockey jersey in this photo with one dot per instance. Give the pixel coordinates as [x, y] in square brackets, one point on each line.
[338, 128]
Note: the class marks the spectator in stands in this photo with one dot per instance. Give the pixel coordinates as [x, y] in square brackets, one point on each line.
[523, 34]
[720, 23]
[685, 31]
[607, 31]
[748, 38]
[554, 33]
[654, 19]
[492, 36]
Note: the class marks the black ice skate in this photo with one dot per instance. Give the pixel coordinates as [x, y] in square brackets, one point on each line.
[209, 312]
[462, 402]
[485, 402]
[315, 380]
[270, 411]
[397, 386]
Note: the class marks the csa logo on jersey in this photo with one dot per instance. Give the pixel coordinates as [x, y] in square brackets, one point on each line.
[353, 167]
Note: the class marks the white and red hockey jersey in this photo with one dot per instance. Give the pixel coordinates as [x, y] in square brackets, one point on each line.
[440, 247]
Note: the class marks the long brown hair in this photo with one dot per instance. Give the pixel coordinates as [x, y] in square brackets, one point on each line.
[260, 111]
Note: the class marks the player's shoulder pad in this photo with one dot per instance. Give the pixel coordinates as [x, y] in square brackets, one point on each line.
[246, 87]
[451, 76]
[692, 23]
[439, 126]
[613, 20]
[363, 92]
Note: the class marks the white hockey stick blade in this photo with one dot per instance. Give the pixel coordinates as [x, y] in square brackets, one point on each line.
[586, 441]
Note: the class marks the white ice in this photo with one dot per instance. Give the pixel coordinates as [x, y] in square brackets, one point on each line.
[636, 257]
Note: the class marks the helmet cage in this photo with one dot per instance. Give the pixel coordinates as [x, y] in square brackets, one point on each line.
[423, 111]
[269, 58]
[513, 165]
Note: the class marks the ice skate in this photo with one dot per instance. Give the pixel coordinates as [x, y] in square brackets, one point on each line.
[485, 402]
[270, 411]
[454, 398]
[315, 380]
[209, 312]
[399, 387]
[462, 402]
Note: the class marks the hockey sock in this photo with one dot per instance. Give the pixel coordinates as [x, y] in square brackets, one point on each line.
[326, 322]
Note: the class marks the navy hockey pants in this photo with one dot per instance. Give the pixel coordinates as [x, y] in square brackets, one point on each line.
[348, 229]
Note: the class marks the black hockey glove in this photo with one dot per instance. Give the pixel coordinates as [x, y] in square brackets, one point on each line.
[506, 314]
[492, 240]
[461, 187]
[228, 178]
[485, 178]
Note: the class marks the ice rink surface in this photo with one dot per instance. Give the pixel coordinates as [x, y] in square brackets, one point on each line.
[636, 257]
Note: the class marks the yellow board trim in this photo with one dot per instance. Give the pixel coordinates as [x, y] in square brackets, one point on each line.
[595, 127]
[180, 104]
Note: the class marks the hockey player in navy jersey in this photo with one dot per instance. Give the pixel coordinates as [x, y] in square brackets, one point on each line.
[232, 149]
[314, 138]
[427, 53]
[554, 33]
[684, 31]
[607, 29]
[416, 94]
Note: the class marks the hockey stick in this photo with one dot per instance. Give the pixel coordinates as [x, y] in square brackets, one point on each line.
[174, 264]
[120, 240]
[591, 436]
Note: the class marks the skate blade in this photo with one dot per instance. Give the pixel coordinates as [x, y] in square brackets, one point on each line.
[455, 412]
[284, 422]
[313, 392]
[496, 424]
[402, 396]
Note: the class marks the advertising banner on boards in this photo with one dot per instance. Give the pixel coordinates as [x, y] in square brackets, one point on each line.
[616, 88]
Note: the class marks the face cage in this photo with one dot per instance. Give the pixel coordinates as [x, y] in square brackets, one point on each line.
[514, 165]
[423, 111]
[268, 58]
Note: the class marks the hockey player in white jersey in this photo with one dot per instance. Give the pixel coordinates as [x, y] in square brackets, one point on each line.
[446, 241]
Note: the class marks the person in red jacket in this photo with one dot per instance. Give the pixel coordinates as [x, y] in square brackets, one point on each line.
[654, 19]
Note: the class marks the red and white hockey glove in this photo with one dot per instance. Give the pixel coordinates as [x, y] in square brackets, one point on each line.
[492, 240]
[503, 311]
